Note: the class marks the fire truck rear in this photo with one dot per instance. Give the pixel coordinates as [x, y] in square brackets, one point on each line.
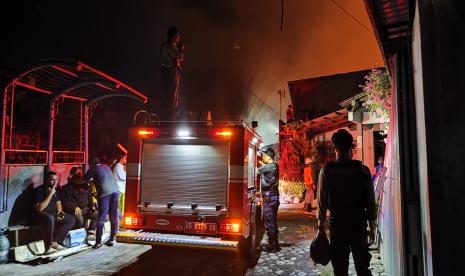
[193, 184]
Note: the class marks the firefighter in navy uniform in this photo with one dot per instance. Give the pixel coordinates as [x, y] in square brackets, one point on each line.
[269, 179]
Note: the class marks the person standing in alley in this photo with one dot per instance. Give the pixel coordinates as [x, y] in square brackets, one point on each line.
[269, 179]
[346, 190]
[290, 114]
[172, 57]
[378, 168]
[107, 197]
[119, 171]
[309, 184]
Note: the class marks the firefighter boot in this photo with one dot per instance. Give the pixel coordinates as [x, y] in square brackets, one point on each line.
[271, 247]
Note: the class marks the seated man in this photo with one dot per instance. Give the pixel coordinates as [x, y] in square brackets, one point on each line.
[49, 214]
[77, 201]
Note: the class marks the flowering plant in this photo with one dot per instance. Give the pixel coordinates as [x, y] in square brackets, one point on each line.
[378, 90]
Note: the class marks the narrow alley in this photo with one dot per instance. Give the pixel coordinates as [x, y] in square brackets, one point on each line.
[297, 229]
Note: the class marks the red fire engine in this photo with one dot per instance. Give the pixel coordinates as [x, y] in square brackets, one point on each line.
[193, 184]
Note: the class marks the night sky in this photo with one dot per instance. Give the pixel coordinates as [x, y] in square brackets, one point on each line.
[237, 56]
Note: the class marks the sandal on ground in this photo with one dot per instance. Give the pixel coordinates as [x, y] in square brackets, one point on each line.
[110, 243]
[51, 250]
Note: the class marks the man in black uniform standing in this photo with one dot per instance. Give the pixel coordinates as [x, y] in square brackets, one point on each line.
[346, 190]
[269, 179]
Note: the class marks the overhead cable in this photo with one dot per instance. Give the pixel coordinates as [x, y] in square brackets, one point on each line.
[351, 16]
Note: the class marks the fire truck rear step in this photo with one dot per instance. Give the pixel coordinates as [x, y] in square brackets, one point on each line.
[176, 240]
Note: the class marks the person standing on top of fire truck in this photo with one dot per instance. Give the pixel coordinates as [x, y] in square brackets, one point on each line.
[172, 57]
[269, 179]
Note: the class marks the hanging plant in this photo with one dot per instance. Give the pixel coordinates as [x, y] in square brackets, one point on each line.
[378, 90]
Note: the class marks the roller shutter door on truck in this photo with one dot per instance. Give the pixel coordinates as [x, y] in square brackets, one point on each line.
[185, 171]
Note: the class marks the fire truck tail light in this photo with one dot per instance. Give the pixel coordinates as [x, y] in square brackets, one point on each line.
[225, 133]
[230, 227]
[145, 132]
[133, 221]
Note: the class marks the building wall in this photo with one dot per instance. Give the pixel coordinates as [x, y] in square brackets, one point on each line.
[364, 150]
[422, 156]
[18, 194]
[18, 191]
[442, 31]
[322, 95]
[390, 214]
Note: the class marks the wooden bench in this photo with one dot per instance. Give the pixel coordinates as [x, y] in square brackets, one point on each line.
[16, 229]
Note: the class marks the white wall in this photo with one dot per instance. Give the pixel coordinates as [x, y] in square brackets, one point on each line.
[18, 179]
[390, 217]
[421, 144]
[367, 154]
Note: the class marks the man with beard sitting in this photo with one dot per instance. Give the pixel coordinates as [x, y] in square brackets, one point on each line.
[55, 224]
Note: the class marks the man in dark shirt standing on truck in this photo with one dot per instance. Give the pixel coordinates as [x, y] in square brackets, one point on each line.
[269, 179]
[346, 190]
[107, 197]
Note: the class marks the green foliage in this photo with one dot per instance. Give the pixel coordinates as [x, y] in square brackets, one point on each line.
[378, 90]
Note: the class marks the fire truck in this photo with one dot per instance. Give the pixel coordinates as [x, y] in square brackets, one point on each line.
[193, 184]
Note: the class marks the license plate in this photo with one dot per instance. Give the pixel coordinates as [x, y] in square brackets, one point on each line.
[200, 228]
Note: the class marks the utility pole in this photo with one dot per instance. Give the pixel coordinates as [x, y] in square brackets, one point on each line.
[282, 94]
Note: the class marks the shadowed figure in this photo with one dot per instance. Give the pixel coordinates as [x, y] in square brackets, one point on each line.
[172, 57]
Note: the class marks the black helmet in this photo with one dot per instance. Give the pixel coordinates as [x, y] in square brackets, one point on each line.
[270, 152]
[319, 250]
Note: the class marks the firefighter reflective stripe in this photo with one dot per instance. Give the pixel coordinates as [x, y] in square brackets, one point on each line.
[237, 173]
[133, 170]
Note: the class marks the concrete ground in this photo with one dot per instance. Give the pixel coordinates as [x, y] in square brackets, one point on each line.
[297, 228]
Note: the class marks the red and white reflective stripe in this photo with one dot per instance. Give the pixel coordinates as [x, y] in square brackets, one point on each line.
[132, 170]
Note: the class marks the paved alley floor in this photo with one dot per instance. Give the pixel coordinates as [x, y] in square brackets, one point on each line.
[297, 229]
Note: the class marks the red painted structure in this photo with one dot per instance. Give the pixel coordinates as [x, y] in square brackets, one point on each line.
[21, 155]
